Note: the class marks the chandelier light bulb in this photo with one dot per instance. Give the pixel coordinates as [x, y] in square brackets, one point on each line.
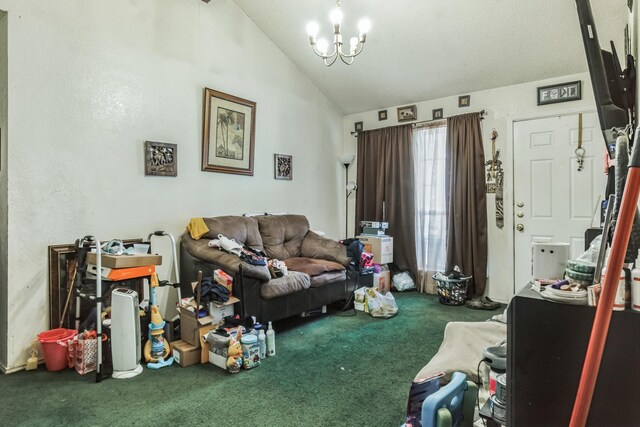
[364, 26]
[336, 16]
[353, 42]
[323, 45]
[312, 29]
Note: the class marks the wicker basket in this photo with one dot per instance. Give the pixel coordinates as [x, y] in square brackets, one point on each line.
[452, 291]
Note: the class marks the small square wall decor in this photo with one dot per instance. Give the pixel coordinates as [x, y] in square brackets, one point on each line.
[382, 115]
[358, 126]
[464, 101]
[407, 114]
[160, 158]
[283, 166]
[437, 114]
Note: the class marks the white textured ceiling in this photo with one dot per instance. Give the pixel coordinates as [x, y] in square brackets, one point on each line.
[425, 49]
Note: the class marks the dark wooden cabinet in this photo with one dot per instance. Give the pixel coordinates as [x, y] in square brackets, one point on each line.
[546, 348]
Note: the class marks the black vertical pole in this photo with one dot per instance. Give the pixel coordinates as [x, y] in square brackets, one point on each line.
[346, 201]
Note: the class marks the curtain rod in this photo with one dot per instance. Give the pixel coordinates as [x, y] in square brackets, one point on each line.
[417, 124]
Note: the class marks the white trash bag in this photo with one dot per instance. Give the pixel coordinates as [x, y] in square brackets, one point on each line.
[381, 305]
[403, 282]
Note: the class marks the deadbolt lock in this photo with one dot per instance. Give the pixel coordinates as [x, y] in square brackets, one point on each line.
[520, 204]
[520, 227]
[520, 214]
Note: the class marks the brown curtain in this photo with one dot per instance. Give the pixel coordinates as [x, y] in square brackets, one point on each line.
[466, 194]
[385, 174]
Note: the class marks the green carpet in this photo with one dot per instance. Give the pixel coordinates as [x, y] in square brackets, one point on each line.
[328, 371]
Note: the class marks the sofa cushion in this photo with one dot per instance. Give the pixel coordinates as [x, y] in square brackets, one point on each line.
[282, 235]
[313, 267]
[285, 285]
[328, 277]
[242, 229]
[316, 246]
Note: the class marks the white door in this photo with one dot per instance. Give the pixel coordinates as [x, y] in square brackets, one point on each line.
[553, 201]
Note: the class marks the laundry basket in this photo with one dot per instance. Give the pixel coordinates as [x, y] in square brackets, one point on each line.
[451, 291]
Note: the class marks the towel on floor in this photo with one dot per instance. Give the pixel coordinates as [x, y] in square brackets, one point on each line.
[197, 228]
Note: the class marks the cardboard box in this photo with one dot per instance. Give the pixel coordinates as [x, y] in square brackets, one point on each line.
[204, 351]
[219, 311]
[380, 246]
[125, 261]
[382, 281]
[185, 354]
[190, 326]
[219, 361]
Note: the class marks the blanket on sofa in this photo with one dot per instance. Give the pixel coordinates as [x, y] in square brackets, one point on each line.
[462, 347]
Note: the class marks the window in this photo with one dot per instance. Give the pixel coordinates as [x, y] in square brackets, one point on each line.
[429, 151]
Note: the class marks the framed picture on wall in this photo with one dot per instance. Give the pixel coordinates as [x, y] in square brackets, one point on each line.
[437, 114]
[283, 166]
[160, 158]
[563, 92]
[229, 133]
[382, 115]
[407, 114]
[464, 101]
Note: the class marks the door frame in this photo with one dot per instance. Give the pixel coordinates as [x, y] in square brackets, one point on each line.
[511, 121]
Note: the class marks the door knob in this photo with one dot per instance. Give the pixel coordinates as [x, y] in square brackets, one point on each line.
[520, 227]
[520, 214]
[520, 204]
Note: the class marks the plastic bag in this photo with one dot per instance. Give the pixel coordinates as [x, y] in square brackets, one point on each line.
[403, 282]
[381, 305]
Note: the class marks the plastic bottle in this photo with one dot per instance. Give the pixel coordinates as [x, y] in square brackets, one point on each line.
[263, 344]
[271, 341]
[635, 285]
[618, 304]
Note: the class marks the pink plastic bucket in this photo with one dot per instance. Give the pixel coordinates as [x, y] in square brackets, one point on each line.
[54, 346]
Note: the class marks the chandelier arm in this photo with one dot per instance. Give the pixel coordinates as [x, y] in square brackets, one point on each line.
[357, 52]
[328, 64]
[342, 57]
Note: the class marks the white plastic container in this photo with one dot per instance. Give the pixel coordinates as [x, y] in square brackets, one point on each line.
[635, 285]
[618, 303]
[262, 340]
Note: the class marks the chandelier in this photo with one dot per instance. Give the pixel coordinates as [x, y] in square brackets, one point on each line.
[321, 46]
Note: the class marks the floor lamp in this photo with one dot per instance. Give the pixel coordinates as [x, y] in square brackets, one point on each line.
[349, 187]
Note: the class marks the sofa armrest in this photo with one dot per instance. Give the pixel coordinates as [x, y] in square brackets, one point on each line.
[200, 250]
[316, 246]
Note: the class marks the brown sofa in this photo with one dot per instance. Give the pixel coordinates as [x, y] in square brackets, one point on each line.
[319, 269]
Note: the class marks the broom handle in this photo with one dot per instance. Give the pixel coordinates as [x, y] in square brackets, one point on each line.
[73, 264]
[609, 288]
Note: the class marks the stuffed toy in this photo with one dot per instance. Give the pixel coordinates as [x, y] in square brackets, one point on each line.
[234, 353]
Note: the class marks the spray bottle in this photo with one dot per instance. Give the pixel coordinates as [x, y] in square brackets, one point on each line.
[635, 285]
[271, 341]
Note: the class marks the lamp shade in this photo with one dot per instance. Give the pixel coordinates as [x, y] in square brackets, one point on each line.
[347, 159]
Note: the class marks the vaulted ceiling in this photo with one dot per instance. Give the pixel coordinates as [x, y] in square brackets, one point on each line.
[426, 49]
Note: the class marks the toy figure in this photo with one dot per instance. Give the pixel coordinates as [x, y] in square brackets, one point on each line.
[234, 353]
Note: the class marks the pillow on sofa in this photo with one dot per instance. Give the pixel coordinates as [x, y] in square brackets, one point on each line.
[311, 266]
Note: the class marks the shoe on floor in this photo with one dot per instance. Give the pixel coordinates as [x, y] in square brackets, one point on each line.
[482, 303]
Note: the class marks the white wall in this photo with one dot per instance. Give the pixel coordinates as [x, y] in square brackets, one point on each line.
[503, 106]
[90, 81]
[3, 187]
